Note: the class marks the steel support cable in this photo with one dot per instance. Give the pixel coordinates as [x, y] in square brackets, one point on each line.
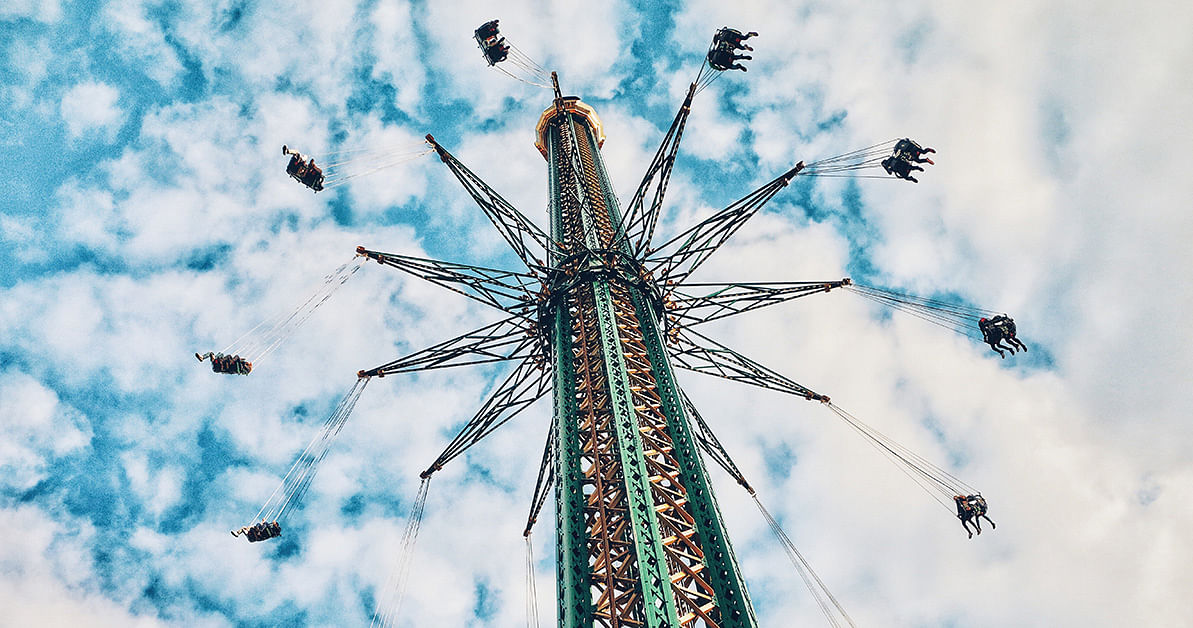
[532, 602]
[255, 344]
[299, 476]
[938, 304]
[375, 155]
[280, 334]
[824, 598]
[862, 160]
[339, 178]
[955, 316]
[390, 604]
[711, 77]
[939, 481]
[519, 53]
[853, 155]
[249, 336]
[374, 149]
[941, 321]
[712, 446]
[848, 176]
[518, 78]
[731, 365]
[858, 163]
[309, 466]
[527, 64]
[917, 476]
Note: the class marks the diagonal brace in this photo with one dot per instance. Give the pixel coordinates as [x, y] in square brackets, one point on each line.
[514, 226]
[507, 339]
[701, 354]
[503, 289]
[640, 224]
[527, 384]
[546, 479]
[711, 445]
[721, 300]
[698, 243]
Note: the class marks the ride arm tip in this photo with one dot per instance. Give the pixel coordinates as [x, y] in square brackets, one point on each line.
[426, 475]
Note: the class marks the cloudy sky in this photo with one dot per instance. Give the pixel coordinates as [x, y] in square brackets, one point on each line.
[147, 216]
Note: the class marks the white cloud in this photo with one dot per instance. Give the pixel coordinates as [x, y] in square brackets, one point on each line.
[91, 108]
[142, 40]
[48, 579]
[1057, 194]
[37, 429]
[45, 11]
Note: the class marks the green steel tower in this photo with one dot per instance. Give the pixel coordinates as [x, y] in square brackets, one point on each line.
[640, 541]
[599, 321]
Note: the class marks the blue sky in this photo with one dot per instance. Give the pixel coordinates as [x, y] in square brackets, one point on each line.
[148, 216]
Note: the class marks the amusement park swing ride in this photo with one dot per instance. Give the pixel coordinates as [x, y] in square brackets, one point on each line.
[599, 318]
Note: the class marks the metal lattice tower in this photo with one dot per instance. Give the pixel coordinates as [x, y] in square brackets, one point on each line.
[640, 541]
[600, 318]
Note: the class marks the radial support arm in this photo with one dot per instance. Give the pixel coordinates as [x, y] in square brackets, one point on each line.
[546, 479]
[505, 290]
[711, 445]
[511, 223]
[527, 384]
[507, 339]
[696, 352]
[696, 303]
[697, 244]
[639, 223]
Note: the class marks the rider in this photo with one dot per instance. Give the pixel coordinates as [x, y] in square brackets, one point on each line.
[900, 167]
[303, 168]
[734, 38]
[965, 512]
[487, 30]
[1006, 325]
[724, 59]
[978, 503]
[496, 51]
[908, 149]
[993, 336]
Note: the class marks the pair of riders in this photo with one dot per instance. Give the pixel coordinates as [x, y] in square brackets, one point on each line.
[972, 508]
[262, 531]
[303, 169]
[998, 329]
[230, 364]
[494, 46]
[725, 44]
[904, 158]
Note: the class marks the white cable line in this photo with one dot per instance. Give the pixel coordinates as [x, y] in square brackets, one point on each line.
[340, 179]
[820, 593]
[388, 610]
